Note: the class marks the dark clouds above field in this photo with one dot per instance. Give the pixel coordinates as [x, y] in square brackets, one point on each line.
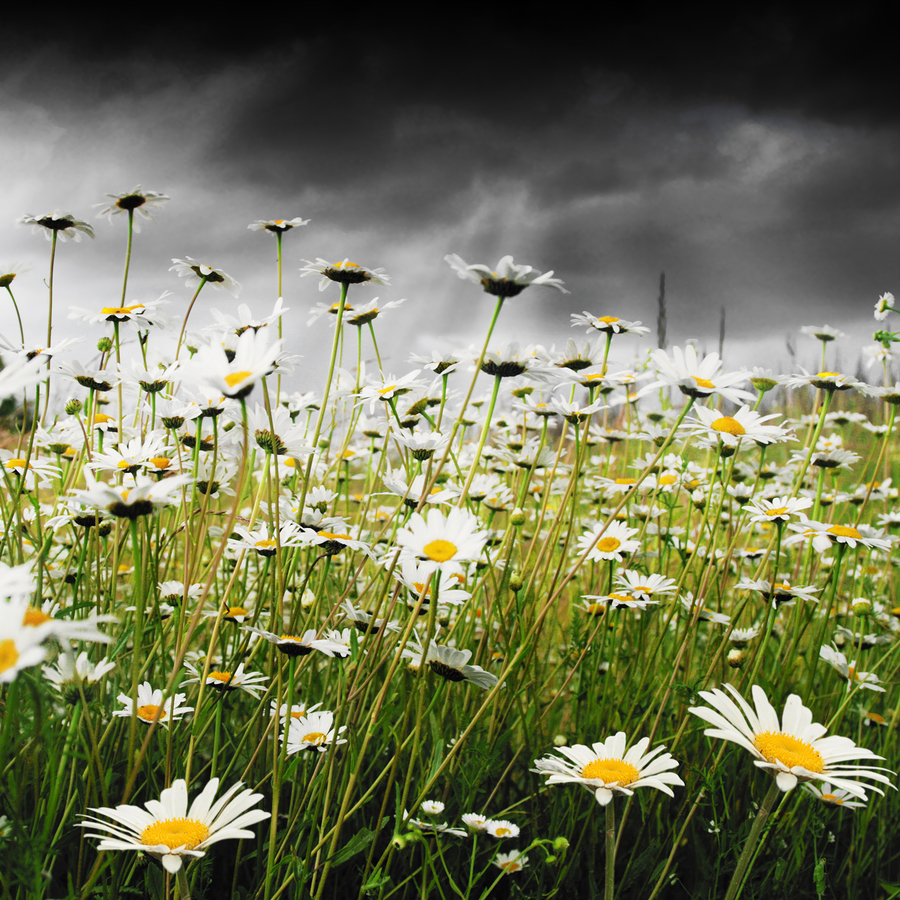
[753, 159]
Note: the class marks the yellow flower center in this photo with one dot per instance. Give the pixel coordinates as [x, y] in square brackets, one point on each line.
[341, 265]
[102, 418]
[608, 544]
[289, 462]
[832, 798]
[124, 464]
[611, 770]
[175, 833]
[15, 464]
[667, 480]
[387, 390]
[440, 550]
[703, 382]
[9, 656]
[266, 544]
[828, 375]
[502, 831]
[236, 378]
[782, 510]
[160, 462]
[316, 738]
[290, 637]
[148, 712]
[235, 611]
[35, 617]
[511, 866]
[335, 537]
[609, 320]
[844, 531]
[729, 426]
[120, 310]
[776, 746]
[625, 480]
[224, 677]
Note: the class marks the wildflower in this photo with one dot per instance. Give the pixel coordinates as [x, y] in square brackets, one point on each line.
[196, 273]
[511, 862]
[730, 430]
[611, 542]
[501, 828]
[135, 200]
[151, 707]
[509, 280]
[795, 750]
[70, 671]
[606, 767]
[824, 333]
[643, 587]
[314, 731]
[825, 534]
[278, 226]
[238, 680]
[141, 499]
[344, 272]
[65, 225]
[20, 646]
[828, 381]
[449, 663]
[696, 378]
[831, 795]
[608, 324]
[778, 509]
[475, 823]
[168, 831]
[363, 621]
[254, 358]
[301, 645]
[432, 807]
[780, 591]
[884, 305]
[838, 661]
[442, 542]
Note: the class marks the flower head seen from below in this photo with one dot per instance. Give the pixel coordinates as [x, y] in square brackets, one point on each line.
[238, 680]
[63, 225]
[169, 831]
[508, 280]
[884, 306]
[278, 226]
[254, 359]
[134, 201]
[610, 767]
[794, 749]
[448, 662]
[196, 273]
[344, 272]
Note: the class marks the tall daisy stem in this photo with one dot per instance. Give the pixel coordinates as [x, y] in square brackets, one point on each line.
[610, 886]
[737, 880]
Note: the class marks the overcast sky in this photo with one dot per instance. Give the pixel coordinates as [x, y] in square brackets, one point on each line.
[757, 166]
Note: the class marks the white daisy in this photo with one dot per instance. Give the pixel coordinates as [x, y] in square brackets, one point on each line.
[449, 663]
[196, 273]
[168, 830]
[509, 280]
[344, 272]
[152, 708]
[442, 541]
[838, 661]
[314, 731]
[794, 749]
[135, 200]
[606, 767]
[65, 225]
[277, 226]
[611, 542]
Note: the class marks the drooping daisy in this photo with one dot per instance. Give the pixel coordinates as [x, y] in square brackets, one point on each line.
[854, 678]
[508, 280]
[151, 707]
[884, 305]
[314, 731]
[449, 663]
[607, 767]
[70, 671]
[611, 542]
[169, 831]
[794, 749]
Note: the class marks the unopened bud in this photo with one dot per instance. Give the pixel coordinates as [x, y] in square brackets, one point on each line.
[105, 344]
[861, 607]
[73, 407]
[560, 845]
[736, 658]
[518, 517]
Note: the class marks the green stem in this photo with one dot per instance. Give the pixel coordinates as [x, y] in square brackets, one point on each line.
[734, 889]
[610, 886]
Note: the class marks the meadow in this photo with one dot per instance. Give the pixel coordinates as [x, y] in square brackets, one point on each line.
[515, 622]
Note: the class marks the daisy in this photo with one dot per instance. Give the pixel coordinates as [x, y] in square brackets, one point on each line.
[606, 767]
[344, 272]
[442, 541]
[730, 430]
[608, 324]
[884, 306]
[301, 645]
[314, 731]
[254, 359]
[509, 280]
[169, 831]
[511, 862]
[831, 795]
[141, 499]
[778, 509]
[780, 591]
[824, 535]
[135, 200]
[278, 226]
[298, 711]
[695, 377]
[363, 621]
[795, 750]
[449, 663]
[151, 707]
[838, 661]
[611, 542]
[69, 670]
[20, 646]
[63, 224]
[824, 333]
[249, 682]
[501, 828]
[643, 587]
[828, 381]
[196, 274]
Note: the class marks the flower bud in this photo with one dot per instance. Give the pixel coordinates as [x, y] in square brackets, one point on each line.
[518, 517]
[73, 407]
[105, 344]
[736, 658]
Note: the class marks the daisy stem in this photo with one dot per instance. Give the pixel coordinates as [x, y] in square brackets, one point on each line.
[610, 885]
[184, 890]
[840, 549]
[187, 315]
[736, 885]
[484, 433]
[18, 316]
[770, 608]
[49, 319]
[127, 254]
[878, 462]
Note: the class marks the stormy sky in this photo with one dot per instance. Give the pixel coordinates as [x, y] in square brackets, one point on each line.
[755, 160]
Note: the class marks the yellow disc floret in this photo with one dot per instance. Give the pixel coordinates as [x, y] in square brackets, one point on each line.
[440, 550]
[175, 834]
[728, 425]
[776, 746]
[611, 771]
